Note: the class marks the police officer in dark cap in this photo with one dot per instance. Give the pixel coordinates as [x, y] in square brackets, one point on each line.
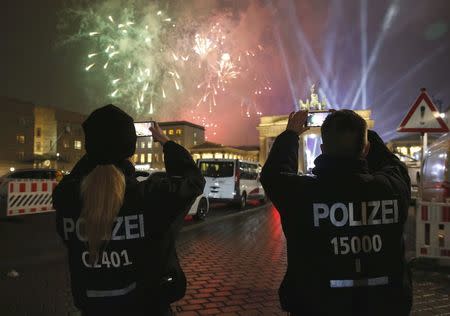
[343, 224]
[119, 232]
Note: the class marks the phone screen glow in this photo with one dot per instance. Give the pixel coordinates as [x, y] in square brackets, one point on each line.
[143, 129]
[316, 118]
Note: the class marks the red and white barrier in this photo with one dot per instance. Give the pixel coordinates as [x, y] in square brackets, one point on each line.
[433, 229]
[29, 196]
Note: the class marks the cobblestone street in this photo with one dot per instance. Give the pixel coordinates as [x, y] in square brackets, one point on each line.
[234, 266]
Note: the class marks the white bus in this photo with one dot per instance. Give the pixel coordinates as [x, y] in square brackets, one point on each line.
[232, 180]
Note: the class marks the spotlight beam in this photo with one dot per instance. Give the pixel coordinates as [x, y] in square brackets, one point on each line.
[285, 63]
[410, 72]
[303, 43]
[363, 24]
[391, 13]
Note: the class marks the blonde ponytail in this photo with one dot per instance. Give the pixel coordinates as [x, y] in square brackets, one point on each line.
[102, 192]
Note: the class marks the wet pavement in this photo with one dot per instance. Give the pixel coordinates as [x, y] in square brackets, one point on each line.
[234, 265]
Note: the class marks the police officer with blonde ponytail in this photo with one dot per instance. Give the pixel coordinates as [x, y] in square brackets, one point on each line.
[120, 233]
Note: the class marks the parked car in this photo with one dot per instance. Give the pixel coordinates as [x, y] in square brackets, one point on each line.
[199, 208]
[435, 175]
[232, 180]
[40, 174]
[33, 173]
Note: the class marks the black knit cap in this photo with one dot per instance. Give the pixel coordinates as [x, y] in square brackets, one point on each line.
[110, 135]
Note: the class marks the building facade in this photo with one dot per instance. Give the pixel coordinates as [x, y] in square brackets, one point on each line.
[39, 136]
[149, 154]
[17, 135]
[410, 144]
[209, 150]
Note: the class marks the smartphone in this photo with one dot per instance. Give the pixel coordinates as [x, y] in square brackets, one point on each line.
[143, 128]
[316, 118]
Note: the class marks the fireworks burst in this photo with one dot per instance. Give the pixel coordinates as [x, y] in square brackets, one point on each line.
[129, 54]
[152, 66]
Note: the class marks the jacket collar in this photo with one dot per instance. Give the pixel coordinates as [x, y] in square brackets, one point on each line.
[84, 166]
[326, 164]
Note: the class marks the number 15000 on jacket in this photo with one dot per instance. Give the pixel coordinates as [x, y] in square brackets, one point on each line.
[344, 230]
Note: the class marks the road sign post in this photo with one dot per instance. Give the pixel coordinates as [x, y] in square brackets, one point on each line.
[424, 118]
[424, 144]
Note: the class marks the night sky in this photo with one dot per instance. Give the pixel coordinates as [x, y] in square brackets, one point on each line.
[373, 54]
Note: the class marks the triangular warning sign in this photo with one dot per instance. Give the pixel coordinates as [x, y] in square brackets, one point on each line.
[423, 117]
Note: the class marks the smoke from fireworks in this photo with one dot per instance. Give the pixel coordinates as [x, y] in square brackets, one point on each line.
[152, 64]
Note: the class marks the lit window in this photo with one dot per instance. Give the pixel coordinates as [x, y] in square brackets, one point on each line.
[149, 144]
[77, 144]
[195, 142]
[20, 139]
[178, 131]
[414, 150]
[38, 132]
[218, 155]
[135, 158]
[142, 158]
[170, 131]
[441, 235]
[149, 157]
[195, 135]
[164, 132]
[142, 144]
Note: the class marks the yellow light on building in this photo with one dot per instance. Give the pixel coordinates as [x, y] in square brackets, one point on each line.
[77, 144]
[196, 156]
[403, 150]
[414, 149]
